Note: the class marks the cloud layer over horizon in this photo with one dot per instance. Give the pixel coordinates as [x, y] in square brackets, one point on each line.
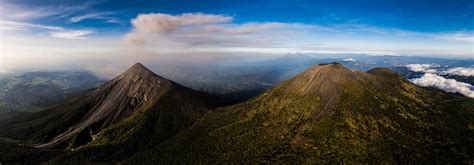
[426, 68]
[433, 77]
[461, 71]
[435, 68]
[34, 34]
[449, 85]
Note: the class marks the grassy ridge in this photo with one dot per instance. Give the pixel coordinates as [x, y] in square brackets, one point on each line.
[371, 123]
[324, 115]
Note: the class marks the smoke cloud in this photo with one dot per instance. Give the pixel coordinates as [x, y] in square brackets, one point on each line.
[198, 30]
[160, 23]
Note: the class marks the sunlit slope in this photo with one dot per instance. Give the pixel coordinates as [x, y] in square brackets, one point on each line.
[329, 113]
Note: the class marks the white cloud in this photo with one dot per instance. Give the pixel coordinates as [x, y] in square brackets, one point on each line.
[101, 16]
[190, 34]
[198, 31]
[432, 68]
[14, 25]
[449, 85]
[54, 31]
[426, 68]
[12, 11]
[86, 16]
[456, 36]
[461, 71]
[73, 34]
[349, 59]
[16, 12]
[233, 29]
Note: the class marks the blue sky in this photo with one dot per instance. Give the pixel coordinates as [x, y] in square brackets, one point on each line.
[423, 16]
[66, 30]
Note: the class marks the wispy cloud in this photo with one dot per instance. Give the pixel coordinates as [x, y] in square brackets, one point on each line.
[73, 34]
[12, 11]
[15, 12]
[199, 31]
[456, 36]
[100, 16]
[449, 85]
[14, 25]
[54, 31]
[86, 16]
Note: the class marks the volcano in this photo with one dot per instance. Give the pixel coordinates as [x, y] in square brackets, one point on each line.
[329, 113]
[136, 97]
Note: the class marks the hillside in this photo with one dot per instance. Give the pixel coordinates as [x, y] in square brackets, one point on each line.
[137, 106]
[329, 113]
[32, 91]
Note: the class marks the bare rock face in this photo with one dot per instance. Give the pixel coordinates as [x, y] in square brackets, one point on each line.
[115, 100]
[324, 81]
[321, 79]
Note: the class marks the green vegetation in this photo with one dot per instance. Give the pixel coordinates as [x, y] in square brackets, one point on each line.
[33, 91]
[14, 152]
[326, 114]
[112, 122]
[379, 118]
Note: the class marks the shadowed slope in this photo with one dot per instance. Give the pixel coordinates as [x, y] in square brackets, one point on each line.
[136, 91]
[326, 114]
[116, 99]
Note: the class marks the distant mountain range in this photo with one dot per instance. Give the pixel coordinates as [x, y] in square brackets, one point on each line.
[235, 81]
[327, 113]
[31, 91]
[241, 80]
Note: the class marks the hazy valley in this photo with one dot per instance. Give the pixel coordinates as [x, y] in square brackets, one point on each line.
[325, 110]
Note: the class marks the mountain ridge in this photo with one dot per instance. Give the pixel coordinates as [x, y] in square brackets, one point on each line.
[327, 113]
[103, 107]
[379, 117]
[124, 93]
